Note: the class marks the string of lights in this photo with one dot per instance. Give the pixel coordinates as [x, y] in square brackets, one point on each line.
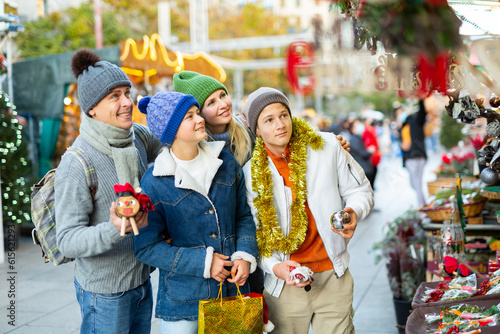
[14, 165]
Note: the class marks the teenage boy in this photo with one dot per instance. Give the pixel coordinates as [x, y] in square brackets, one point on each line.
[296, 180]
[112, 286]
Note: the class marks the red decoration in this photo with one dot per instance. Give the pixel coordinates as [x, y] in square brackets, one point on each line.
[438, 292]
[300, 58]
[450, 264]
[477, 141]
[483, 288]
[446, 158]
[433, 72]
[463, 270]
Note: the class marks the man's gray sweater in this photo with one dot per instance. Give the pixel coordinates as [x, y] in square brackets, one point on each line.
[104, 261]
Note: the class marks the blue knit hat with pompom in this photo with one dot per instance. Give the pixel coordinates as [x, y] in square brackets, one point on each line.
[165, 112]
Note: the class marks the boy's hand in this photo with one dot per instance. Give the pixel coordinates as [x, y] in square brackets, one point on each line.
[282, 271]
[349, 229]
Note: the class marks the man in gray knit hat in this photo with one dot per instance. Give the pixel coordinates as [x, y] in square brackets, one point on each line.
[112, 286]
[296, 180]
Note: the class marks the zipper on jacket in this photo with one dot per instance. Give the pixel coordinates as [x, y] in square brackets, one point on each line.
[284, 157]
[350, 171]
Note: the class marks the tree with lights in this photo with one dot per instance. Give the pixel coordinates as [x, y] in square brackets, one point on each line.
[15, 168]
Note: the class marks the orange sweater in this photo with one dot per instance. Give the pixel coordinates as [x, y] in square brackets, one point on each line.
[312, 252]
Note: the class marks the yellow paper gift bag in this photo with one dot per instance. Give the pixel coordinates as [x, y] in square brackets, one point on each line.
[231, 315]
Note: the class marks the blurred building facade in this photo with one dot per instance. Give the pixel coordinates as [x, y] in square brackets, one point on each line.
[33, 9]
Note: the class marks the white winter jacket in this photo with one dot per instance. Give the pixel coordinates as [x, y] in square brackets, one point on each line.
[332, 177]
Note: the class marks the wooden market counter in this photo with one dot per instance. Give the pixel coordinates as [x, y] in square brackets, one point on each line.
[489, 224]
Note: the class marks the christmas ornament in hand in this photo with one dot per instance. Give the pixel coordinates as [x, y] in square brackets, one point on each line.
[128, 204]
[301, 275]
[340, 218]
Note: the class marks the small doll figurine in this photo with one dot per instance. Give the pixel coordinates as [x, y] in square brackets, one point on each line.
[129, 203]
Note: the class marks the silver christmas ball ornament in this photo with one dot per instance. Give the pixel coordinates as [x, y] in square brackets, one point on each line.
[340, 218]
[489, 176]
[493, 129]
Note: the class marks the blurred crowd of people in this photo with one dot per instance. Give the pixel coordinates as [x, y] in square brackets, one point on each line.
[409, 132]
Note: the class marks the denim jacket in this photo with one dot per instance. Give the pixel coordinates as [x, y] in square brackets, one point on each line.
[198, 225]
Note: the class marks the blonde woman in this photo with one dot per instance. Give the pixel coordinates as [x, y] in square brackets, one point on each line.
[216, 108]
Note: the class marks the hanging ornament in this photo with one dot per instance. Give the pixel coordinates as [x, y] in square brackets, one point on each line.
[489, 176]
[495, 101]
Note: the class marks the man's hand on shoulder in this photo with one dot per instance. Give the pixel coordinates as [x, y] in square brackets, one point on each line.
[345, 144]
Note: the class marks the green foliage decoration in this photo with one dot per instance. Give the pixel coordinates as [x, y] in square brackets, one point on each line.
[408, 27]
[403, 249]
[451, 131]
[70, 30]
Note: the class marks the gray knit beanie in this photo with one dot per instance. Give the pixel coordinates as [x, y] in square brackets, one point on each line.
[260, 99]
[96, 78]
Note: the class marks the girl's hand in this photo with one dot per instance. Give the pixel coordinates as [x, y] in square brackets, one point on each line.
[240, 272]
[217, 270]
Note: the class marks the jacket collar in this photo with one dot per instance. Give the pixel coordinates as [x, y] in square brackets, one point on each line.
[165, 164]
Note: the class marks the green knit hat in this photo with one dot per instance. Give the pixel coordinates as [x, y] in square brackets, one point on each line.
[196, 84]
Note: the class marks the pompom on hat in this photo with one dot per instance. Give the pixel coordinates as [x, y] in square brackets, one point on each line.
[165, 112]
[196, 84]
[260, 99]
[96, 78]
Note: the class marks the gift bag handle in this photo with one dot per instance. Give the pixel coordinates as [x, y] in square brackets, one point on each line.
[219, 295]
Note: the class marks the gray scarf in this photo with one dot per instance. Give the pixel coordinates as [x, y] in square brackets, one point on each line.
[116, 143]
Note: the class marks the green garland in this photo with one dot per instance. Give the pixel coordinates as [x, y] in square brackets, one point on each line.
[269, 235]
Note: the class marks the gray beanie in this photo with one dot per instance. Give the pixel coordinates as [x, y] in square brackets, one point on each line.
[260, 99]
[96, 78]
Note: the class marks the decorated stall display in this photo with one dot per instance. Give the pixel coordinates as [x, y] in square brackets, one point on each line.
[128, 204]
[422, 33]
[340, 218]
[301, 275]
[460, 287]
[450, 253]
[467, 111]
[463, 318]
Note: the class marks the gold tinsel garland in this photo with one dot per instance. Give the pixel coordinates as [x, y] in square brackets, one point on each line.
[269, 235]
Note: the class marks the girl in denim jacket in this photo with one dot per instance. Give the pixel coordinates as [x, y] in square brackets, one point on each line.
[200, 206]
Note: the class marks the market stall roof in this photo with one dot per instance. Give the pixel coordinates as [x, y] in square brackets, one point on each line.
[149, 56]
[39, 83]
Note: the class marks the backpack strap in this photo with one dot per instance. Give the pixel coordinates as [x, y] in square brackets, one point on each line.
[88, 167]
[141, 132]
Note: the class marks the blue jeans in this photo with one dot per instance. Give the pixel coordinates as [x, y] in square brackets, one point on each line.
[123, 312]
[178, 327]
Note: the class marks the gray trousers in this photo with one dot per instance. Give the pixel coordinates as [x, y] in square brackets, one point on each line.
[415, 168]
